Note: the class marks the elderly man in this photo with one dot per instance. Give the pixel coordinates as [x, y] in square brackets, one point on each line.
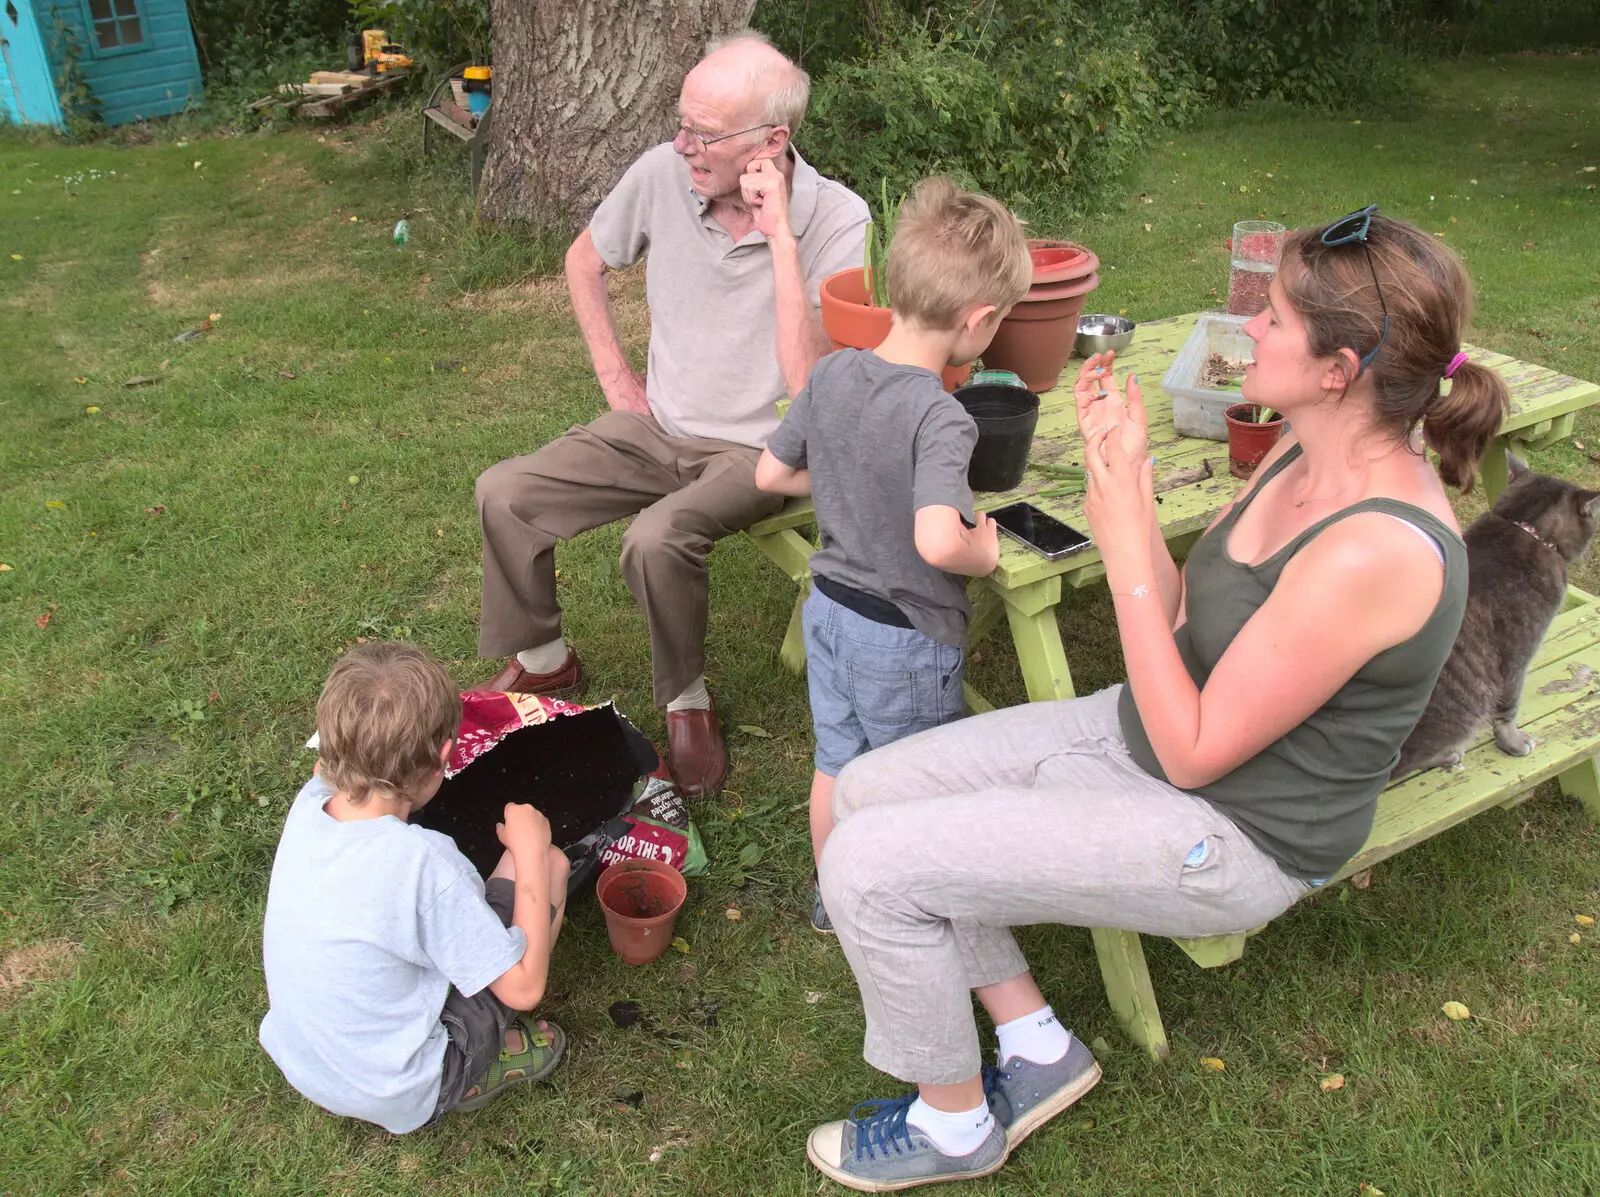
[740, 233]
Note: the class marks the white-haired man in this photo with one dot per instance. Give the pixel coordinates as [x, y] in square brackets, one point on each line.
[740, 233]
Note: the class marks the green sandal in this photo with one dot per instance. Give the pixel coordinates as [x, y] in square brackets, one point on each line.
[542, 1051]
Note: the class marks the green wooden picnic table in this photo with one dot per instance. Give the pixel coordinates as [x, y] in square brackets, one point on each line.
[1026, 588]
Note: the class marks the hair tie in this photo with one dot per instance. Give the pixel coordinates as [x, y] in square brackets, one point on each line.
[1455, 364]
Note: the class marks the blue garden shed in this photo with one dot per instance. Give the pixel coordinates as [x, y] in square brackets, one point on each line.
[136, 56]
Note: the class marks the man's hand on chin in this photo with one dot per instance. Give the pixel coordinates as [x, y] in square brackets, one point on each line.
[766, 192]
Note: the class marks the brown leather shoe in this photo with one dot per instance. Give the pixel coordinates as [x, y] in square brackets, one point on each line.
[566, 682]
[695, 752]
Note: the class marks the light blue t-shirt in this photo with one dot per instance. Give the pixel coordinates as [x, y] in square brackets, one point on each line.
[368, 925]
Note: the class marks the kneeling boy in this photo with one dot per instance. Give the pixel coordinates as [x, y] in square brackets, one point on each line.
[394, 974]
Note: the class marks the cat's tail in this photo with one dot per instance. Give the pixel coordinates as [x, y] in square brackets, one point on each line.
[1460, 423]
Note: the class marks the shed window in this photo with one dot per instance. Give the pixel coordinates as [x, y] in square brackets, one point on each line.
[116, 23]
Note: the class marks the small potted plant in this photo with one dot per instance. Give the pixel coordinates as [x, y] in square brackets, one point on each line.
[1252, 431]
[855, 302]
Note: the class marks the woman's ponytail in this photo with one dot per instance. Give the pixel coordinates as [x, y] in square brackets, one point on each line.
[1410, 330]
[1459, 426]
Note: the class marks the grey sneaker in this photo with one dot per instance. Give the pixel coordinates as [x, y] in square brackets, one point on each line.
[820, 922]
[1023, 1096]
[875, 1151]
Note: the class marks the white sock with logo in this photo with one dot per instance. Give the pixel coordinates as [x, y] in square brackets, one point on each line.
[694, 698]
[1039, 1037]
[545, 658]
[960, 1133]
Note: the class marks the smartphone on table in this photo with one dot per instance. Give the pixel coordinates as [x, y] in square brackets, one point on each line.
[1040, 531]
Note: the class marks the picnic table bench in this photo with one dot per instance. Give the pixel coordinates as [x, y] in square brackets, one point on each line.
[1561, 701]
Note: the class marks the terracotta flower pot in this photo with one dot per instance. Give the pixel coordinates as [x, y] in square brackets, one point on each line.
[1060, 261]
[1035, 339]
[851, 321]
[1248, 441]
[641, 900]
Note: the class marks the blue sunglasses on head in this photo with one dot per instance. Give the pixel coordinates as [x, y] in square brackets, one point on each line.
[1354, 228]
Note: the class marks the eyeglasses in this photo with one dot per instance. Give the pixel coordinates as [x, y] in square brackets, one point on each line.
[1354, 228]
[696, 143]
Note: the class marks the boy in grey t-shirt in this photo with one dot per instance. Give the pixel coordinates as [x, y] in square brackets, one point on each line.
[395, 977]
[883, 450]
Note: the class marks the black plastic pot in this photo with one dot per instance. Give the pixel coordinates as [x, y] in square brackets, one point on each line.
[1006, 417]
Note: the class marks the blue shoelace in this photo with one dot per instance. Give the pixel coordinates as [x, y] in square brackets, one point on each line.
[881, 1126]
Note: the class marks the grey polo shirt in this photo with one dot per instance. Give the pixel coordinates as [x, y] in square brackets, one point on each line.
[713, 370]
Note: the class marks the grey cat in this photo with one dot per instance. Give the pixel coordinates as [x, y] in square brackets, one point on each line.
[1517, 558]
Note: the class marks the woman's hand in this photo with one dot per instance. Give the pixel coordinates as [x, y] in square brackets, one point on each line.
[1100, 405]
[1119, 495]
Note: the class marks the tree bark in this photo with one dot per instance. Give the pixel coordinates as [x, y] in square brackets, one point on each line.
[581, 89]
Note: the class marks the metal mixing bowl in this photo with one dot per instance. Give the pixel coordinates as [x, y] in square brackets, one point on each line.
[1097, 334]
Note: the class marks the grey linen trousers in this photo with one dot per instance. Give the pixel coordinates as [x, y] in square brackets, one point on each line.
[1033, 814]
[688, 494]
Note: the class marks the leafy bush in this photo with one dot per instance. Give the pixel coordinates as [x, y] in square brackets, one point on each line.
[438, 33]
[243, 42]
[1321, 53]
[1041, 108]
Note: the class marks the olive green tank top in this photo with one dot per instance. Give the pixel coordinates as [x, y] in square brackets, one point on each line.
[1307, 799]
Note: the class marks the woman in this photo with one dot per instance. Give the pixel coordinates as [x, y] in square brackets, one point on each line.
[1270, 687]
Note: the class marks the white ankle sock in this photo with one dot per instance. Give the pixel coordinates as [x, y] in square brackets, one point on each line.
[960, 1133]
[1039, 1037]
[695, 698]
[545, 658]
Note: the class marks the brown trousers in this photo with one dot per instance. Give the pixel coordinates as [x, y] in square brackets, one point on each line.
[688, 495]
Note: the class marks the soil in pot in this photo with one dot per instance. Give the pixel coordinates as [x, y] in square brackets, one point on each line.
[851, 322]
[641, 900]
[1248, 440]
[1006, 418]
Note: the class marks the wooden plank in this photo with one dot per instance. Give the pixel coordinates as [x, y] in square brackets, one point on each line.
[1567, 723]
[448, 125]
[352, 78]
[460, 115]
[1128, 988]
[796, 513]
[333, 105]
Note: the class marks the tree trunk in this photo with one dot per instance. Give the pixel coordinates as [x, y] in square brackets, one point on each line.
[581, 89]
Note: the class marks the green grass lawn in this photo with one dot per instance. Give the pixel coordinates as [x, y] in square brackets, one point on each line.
[184, 559]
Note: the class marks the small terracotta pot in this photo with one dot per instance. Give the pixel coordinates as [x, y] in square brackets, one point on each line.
[1035, 339]
[1249, 442]
[851, 321]
[641, 900]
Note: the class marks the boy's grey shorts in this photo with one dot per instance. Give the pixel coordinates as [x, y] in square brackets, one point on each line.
[477, 1024]
[871, 683]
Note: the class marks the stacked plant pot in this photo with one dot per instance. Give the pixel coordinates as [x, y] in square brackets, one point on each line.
[1035, 340]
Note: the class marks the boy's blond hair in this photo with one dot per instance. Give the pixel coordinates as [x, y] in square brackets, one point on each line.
[954, 250]
[385, 712]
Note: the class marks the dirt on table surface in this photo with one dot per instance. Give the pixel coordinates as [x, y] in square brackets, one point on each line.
[1219, 372]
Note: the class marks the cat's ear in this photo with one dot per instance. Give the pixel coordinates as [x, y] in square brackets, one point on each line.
[1588, 501]
[1516, 465]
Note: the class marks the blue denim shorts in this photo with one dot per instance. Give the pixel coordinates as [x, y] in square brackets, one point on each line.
[872, 684]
